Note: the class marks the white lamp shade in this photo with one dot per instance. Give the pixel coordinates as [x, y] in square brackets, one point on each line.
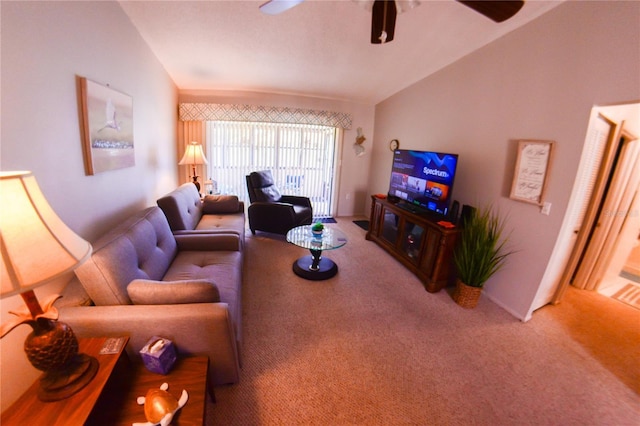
[193, 155]
[36, 246]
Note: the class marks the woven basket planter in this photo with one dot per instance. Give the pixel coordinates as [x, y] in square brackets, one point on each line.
[466, 296]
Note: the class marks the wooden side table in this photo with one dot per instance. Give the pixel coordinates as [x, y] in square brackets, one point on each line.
[118, 406]
[74, 410]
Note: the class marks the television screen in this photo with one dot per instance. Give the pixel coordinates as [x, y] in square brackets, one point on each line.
[423, 179]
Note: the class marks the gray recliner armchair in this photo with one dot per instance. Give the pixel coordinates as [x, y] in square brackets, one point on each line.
[270, 211]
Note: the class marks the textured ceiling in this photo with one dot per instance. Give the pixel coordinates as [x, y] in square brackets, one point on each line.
[319, 48]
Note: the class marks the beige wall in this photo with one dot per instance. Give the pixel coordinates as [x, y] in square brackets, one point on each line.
[44, 46]
[538, 82]
[354, 171]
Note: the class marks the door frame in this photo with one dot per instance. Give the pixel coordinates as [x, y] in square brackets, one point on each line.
[593, 207]
[613, 191]
[579, 199]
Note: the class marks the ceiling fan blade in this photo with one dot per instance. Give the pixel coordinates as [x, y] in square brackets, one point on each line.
[496, 10]
[274, 7]
[383, 21]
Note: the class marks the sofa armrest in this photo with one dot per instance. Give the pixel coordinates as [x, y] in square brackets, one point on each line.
[196, 329]
[279, 209]
[203, 232]
[207, 241]
[297, 200]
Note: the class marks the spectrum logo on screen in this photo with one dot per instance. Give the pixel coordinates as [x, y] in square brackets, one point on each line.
[435, 172]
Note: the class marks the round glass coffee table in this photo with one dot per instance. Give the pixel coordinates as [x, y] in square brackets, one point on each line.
[316, 267]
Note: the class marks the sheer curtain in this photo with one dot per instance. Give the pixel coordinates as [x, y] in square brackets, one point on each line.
[301, 157]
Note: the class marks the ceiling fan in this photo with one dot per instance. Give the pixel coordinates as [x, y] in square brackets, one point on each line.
[384, 12]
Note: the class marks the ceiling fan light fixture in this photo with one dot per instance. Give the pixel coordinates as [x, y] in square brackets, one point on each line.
[275, 7]
[496, 10]
[383, 21]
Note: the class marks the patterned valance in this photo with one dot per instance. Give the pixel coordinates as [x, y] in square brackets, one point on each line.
[225, 112]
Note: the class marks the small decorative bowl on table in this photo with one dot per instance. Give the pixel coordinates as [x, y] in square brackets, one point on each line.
[317, 229]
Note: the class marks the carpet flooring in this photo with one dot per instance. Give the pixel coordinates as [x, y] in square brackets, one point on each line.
[371, 347]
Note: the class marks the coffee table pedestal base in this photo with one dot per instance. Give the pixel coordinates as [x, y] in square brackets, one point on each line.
[326, 268]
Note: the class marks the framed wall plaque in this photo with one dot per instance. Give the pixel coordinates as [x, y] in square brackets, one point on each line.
[106, 124]
[531, 170]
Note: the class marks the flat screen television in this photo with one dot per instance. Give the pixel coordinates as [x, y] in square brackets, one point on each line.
[423, 180]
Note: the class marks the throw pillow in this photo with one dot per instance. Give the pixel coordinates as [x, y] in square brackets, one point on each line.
[150, 292]
[214, 204]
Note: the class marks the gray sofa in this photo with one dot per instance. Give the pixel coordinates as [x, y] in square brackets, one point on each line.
[188, 214]
[144, 281]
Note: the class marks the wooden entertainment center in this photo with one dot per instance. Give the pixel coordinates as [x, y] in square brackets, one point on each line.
[418, 242]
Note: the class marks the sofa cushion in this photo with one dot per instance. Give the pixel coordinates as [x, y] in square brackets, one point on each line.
[150, 292]
[141, 247]
[213, 204]
[222, 267]
[223, 223]
[182, 207]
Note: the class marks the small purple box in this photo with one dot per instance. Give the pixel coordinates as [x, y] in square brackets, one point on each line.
[158, 355]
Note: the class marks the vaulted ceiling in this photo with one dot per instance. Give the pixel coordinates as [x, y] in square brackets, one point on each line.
[319, 48]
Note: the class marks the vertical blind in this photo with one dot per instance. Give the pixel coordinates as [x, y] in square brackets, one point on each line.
[301, 158]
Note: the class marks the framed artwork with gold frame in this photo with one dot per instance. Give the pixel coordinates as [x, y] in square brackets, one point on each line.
[106, 125]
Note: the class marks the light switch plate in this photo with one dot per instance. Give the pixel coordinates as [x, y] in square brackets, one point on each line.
[546, 208]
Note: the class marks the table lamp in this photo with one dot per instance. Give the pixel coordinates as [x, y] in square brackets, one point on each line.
[194, 156]
[36, 248]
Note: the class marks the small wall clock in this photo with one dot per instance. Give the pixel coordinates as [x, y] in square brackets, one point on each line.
[394, 144]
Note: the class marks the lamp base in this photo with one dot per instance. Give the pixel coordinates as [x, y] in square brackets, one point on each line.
[196, 183]
[61, 384]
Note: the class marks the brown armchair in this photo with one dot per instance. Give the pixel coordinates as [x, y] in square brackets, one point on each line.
[271, 211]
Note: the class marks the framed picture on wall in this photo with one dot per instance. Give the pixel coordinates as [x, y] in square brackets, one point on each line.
[531, 170]
[106, 125]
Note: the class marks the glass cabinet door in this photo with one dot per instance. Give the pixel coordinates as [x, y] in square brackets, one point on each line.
[411, 240]
[390, 222]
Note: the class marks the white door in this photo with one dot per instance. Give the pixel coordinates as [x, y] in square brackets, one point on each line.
[601, 132]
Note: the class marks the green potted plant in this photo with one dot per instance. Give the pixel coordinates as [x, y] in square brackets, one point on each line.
[317, 228]
[480, 253]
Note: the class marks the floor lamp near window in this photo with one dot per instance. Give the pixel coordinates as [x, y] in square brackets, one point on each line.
[37, 248]
[194, 156]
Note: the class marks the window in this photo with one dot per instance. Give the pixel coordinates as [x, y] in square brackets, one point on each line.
[300, 156]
